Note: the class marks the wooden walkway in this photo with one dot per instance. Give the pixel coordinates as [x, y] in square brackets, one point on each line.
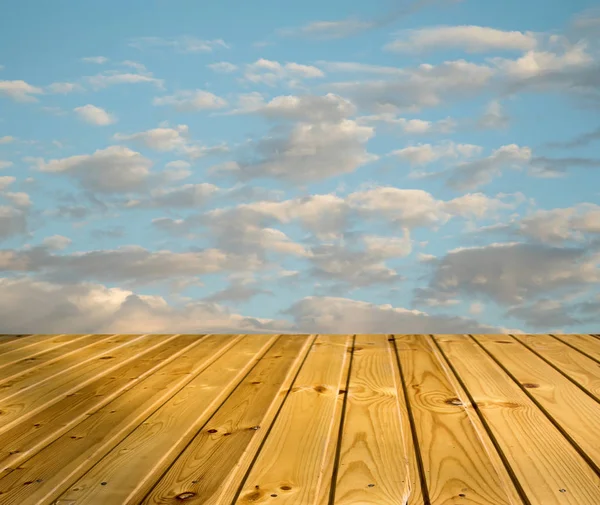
[300, 419]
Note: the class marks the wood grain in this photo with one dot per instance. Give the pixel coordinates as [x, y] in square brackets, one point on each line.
[579, 368]
[52, 470]
[211, 468]
[455, 461]
[294, 453]
[549, 470]
[552, 391]
[133, 466]
[373, 465]
[586, 344]
[26, 439]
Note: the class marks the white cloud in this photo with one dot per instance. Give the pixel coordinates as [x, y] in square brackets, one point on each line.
[94, 115]
[57, 242]
[415, 88]
[189, 195]
[20, 91]
[310, 152]
[114, 169]
[342, 315]
[473, 39]
[95, 308]
[494, 117]
[329, 107]
[5, 181]
[329, 29]
[5, 164]
[140, 67]
[510, 273]
[170, 139]
[177, 170]
[469, 175]
[272, 72]
[195, 100]
[223, 67]
[184, 44]
[12, 222]
[112, 77]
[410, 126]
[7, 139]
[560, 225]
[63, 88]
[19, 199]
[423, 154]
[99, 60]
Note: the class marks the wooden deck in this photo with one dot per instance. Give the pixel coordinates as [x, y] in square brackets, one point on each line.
[300, 419]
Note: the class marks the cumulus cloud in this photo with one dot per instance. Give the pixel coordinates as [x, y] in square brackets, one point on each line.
[13, 221]
[57, 242]
[183, 44]
[329, 107]
[511, 273]
[20, 91]
[5, 164]
[494, 117]
[95, 115]
[63, 88]
[410, 126]
[557, 226]
[98, 60]
[196, 100]
[581, 140]
[411, 89]
[310, 152]
[271, 72]
[473, 39]
[343, 315]
[112, 77]
[114, 169]
[95, 308]
[469, 175]
[186, 196]
[165, 139]
[133, 265]
[7, 139]
[423, 154]
[223, 67]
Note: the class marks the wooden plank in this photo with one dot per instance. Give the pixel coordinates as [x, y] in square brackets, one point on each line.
[331, 451]
[415, 496]
[210, 469]
[52, 470]
[373, 462]
[295, 451]
[456, 458]
[28, 395]
[579, 368]
[551, 391]
[133, 466]
[586, 344]
[26, 439]
[66, 351]
[548, 469]
[25, 347]
[4, 339]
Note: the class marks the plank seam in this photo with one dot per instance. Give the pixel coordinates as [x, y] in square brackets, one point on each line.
[264, 440]
[556, 424]
[214, 358]
[487, 428]
[208, 420]
[589, 393]
[51, 438]
[413, 430]
[573, 347]
[338, 448]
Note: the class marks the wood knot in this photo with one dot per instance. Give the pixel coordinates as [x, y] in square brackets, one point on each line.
[320, 389]
[453, 401]
[185, 496]
[530, 385]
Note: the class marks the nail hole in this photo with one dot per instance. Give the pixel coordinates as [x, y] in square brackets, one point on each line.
[212, 431]
[529, 385]
[563, 490]
[103, 483]
[286, 488]
[273, 496]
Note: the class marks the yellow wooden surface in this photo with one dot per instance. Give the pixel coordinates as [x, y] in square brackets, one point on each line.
[300, 419]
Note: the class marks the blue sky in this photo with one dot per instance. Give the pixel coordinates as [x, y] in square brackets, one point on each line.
[408, 167]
